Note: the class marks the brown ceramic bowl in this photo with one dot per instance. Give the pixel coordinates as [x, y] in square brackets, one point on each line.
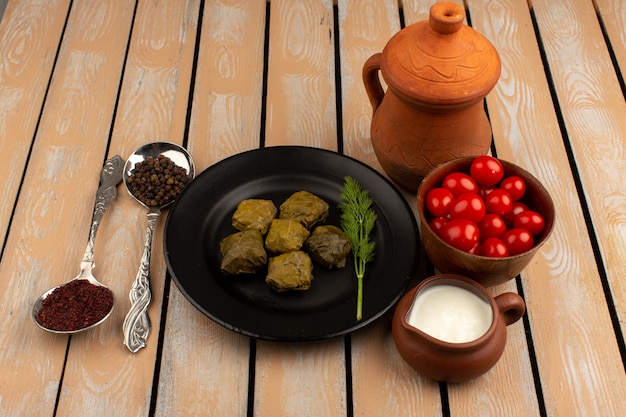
[485, 270]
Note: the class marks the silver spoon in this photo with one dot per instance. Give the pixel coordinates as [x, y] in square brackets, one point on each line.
[137, 322]
[110, 177]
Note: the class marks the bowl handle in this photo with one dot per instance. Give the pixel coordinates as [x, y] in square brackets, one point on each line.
[511, 306]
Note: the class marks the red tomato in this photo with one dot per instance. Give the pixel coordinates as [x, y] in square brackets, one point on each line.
[499, 202]
[485, 190]
[437, 224]
[460, 233]
[494, 247]
[475, 249]
[459, 183]
[515, 186]
[518, 207]
[438, 201]
[518, 241]
[529, 220]
[486, 170]
[491, 225]
[467, 206]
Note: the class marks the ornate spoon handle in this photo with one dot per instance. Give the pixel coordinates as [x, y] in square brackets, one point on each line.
[137, 322]
[110, 177]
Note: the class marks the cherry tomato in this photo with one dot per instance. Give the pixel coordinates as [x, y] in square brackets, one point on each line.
[437, 224]
[485, 190]
[499, 202]
[475, 249]
[491, 225]
[529, 220]
[494, 248]
[460, 233]
[459, 183]
[518, 240]
[468, 206]
[515, 186]
[438, 201]
[486, 170]
[518, 207]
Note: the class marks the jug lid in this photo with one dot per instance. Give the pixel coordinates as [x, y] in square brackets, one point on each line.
[441, 60]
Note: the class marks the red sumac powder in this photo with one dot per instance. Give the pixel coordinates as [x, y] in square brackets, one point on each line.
[74, 306]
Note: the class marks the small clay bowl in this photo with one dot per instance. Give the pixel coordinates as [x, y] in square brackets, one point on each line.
[487, 271]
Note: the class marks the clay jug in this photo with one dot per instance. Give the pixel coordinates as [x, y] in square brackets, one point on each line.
[455, 362]
[438, 72]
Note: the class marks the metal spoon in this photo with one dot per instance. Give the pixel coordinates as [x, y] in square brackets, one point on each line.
[137, 322]
[110, 177]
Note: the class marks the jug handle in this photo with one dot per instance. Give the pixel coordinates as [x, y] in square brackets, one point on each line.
[373, 87]
[511, 306]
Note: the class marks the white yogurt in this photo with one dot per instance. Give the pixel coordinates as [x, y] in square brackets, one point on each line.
[450, 313]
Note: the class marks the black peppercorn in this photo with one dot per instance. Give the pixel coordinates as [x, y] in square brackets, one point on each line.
[156, 182]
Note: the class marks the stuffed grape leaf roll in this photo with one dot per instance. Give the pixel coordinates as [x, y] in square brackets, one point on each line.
[290, 271]
[329, 246]
[285, 235]
[304, 207]
[254, 214]
[243, 252]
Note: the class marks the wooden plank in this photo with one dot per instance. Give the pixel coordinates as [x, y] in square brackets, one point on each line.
[382, 383]
[152, 107]
[204, 369]
[613, 14]
[579, 364]
[30, 35]
[52, 219]
[306, 379]
[594, 114]
[226, 117]
[300, 87]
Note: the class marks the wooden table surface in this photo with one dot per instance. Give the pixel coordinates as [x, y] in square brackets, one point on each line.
[83, 80]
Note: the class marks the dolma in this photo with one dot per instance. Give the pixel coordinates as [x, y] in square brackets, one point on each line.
[254, 214]
[304, 207]
[285, 235]
[329, 246]
[290, 271]
[243, 252]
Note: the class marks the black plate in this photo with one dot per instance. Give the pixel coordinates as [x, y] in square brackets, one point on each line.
[201, 218]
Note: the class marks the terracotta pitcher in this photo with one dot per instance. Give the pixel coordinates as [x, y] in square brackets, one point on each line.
[437, 71]
[451, 361]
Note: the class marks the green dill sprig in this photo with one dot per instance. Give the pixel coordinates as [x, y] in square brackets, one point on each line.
[357, 221]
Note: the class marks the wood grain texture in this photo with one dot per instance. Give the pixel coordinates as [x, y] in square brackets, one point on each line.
[594, 113]
[301, 379]
[31, 35]
[227, 104]
[563, 293]
[52, 219]
[382, 383]
[613, 15]
[300, 86]
[102, 377]
[365, 28]
[204, 367]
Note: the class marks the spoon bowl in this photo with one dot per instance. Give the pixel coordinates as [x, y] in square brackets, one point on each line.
[38, 304]
[110, 177]
[176, 153]
[137, 325]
